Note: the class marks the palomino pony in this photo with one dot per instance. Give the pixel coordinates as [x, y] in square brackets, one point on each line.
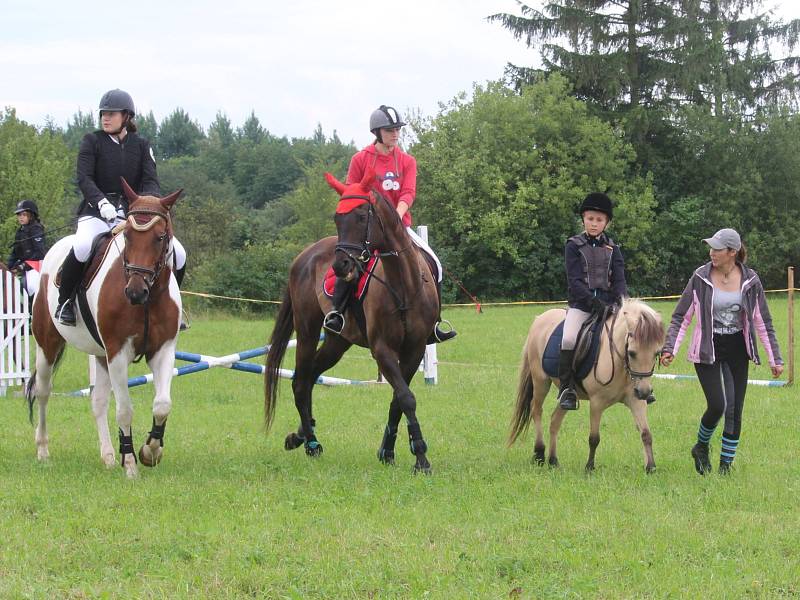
[399, 312]
[135, 304]
[631, 342]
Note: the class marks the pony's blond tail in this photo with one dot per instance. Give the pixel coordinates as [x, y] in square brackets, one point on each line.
[522, 411]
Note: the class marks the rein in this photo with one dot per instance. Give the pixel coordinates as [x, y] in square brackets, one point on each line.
[365, 252]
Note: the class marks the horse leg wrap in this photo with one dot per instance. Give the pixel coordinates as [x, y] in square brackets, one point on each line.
[387, 444]
[157, 433]
[126, 447]
[415, 441]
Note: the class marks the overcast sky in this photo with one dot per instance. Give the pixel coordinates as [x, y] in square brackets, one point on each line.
[295, 63]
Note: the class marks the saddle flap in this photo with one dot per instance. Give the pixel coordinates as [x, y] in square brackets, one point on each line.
[586, 351]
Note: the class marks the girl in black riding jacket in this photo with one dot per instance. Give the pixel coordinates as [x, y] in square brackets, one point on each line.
[595, 280]
[28, 250]
[104, 157]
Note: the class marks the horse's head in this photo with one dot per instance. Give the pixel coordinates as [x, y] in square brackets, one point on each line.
[643, 344]
[361, 223]
[148, 237]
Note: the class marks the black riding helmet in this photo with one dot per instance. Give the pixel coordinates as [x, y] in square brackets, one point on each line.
[599, 202]
[28, 205]
[117, 100]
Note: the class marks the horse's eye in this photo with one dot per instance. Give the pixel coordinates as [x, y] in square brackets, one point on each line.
[632, 354]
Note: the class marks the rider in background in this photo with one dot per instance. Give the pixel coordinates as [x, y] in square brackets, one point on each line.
[595, 281]
[104, 157]
[395, 179]
[28, 250]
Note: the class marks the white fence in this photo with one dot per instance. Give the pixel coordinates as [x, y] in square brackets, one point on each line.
[15, 349]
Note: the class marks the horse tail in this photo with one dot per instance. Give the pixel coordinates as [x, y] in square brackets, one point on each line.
[522, 410]
[279, 340]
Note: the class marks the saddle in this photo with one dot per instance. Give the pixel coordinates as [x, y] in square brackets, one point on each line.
[586, 348]
[100, 246]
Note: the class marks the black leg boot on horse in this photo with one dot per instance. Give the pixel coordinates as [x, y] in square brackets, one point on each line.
[334, 320]
[438, 335]
[71, 273]
[567, 398]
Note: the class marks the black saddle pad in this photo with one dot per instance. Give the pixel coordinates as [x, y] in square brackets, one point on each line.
[553, 350]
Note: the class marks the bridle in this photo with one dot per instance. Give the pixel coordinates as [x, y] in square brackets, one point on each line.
[361, 253]
[634, 375]
[149, 275]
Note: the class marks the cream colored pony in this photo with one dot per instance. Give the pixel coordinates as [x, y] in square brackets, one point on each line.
[631, 341]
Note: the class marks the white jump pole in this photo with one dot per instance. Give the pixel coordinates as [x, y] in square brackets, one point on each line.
[430, 364]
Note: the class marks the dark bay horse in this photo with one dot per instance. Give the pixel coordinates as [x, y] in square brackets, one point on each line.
[630, 345]
[399, 312]
[135, 303]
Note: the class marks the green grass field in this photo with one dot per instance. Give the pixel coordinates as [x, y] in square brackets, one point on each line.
[230, 514]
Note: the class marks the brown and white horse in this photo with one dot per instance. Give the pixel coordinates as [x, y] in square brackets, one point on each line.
[631, 341]
[135, 302]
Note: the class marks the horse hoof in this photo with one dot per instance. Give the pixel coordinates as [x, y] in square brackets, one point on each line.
[590, 468]
[650, 469]
[386, 456]
[148, 457]
[42, 455]
[553, 462]
[423, 470]
[292, 441]
[109, 460]
[313, 448]
[538, 456]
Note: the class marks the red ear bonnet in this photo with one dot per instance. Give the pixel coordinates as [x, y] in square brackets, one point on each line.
[353, 194]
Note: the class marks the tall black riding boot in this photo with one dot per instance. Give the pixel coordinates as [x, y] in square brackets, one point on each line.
[567, 398]
[437, 335]
[71, 273]
[334, 320]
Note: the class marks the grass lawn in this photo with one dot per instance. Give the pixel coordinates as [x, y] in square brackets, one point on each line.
[230, 514]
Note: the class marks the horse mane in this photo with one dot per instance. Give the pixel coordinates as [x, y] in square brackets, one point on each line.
[649, 330]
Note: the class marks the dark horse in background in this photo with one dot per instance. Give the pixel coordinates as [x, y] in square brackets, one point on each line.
[399, 312]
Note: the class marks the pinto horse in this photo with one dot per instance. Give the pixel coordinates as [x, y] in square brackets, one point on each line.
[135, 304]
[399, 312]
[631, 341]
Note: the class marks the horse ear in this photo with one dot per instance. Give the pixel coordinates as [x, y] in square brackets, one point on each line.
[334, 183]
[168, 201]
[129, 193]
[367, 179]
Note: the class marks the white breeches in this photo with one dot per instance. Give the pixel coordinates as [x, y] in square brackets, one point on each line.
[572, 325]
[31, 281]
[90, 227]
[419, 242]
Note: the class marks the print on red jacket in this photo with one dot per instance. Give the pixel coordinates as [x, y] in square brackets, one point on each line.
[395, 175]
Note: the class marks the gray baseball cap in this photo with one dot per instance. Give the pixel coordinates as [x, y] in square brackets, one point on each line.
[725, 238]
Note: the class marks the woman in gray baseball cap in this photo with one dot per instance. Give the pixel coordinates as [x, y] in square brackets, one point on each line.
[728, 299]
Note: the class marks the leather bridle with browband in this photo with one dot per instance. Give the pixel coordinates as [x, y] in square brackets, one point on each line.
[635, 375]
[148, 274]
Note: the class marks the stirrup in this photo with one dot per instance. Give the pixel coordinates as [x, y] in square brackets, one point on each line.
[328, 317]
[567, 399]
[61, 308]
[448, 334]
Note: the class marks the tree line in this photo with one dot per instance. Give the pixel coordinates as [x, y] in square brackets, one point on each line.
[678, 109]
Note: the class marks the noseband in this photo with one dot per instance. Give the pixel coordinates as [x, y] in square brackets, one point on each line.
[148, 274]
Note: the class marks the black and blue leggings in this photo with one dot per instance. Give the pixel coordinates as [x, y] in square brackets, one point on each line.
[724, 384]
